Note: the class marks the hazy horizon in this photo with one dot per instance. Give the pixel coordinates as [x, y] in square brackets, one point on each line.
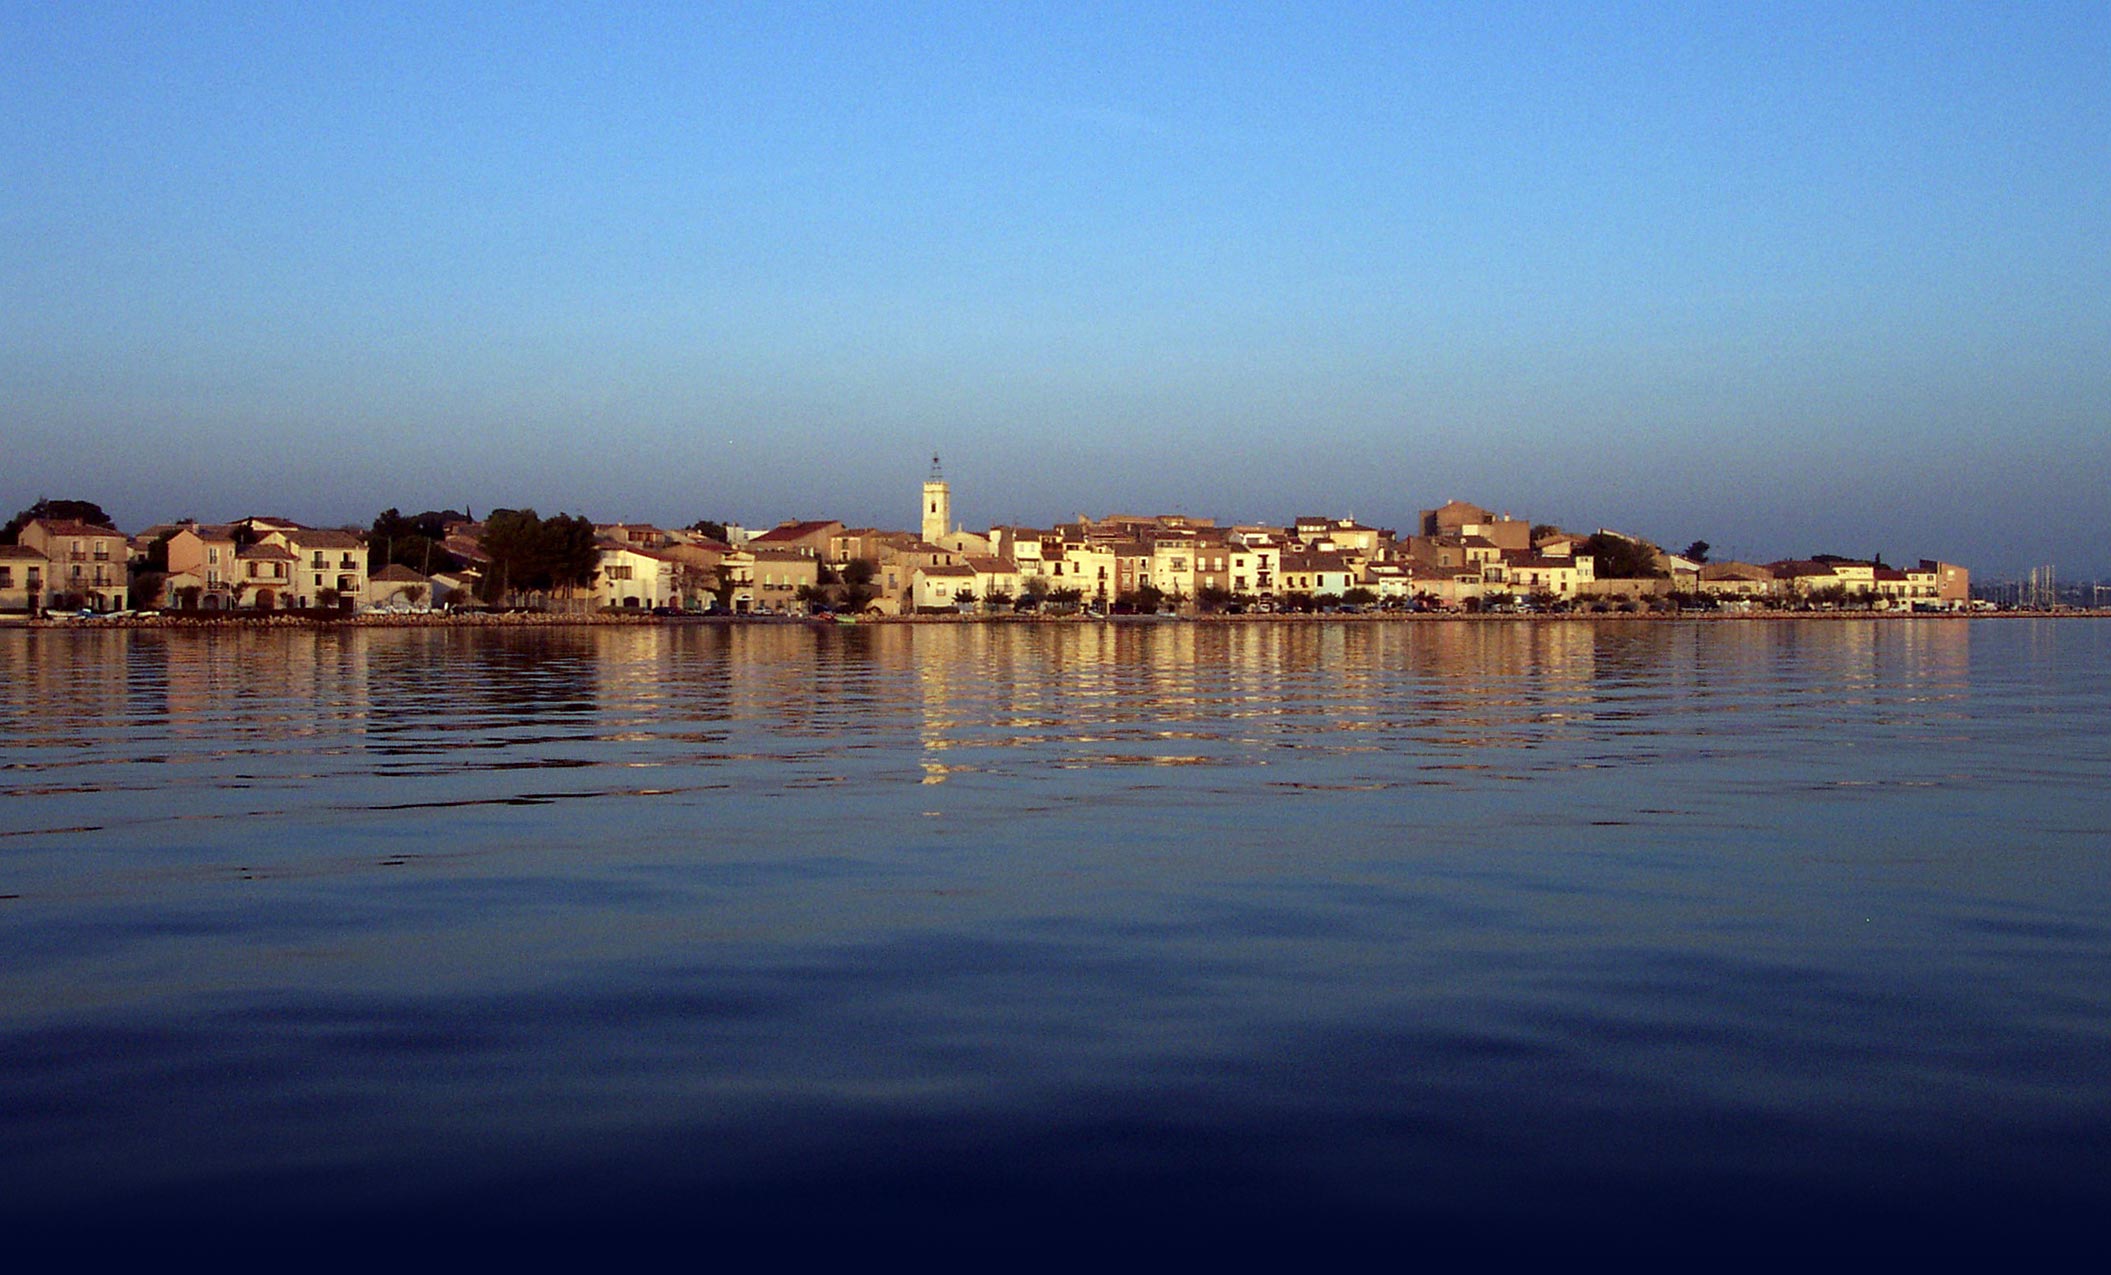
[1812, 278]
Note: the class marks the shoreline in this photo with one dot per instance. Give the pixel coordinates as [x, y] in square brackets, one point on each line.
[522, 619]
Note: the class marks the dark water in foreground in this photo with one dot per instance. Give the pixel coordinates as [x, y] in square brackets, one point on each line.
[1503, 933]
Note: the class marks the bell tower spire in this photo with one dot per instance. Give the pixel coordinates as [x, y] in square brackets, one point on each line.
[938, 504]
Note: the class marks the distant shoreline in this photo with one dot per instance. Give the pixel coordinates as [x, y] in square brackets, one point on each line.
[488, 619]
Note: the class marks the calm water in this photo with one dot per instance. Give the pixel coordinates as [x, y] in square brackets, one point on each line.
[1508, 931]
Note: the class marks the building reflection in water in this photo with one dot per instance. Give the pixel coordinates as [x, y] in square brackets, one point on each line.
[910, 704]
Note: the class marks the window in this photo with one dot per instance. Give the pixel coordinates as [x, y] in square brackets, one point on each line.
[7, 577]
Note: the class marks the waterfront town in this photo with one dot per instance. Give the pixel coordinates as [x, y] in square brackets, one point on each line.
[64, 558]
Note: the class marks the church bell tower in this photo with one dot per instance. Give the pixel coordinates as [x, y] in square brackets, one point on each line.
[938, 504]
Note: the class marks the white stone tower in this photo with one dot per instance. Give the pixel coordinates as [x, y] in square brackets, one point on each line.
[938, 504]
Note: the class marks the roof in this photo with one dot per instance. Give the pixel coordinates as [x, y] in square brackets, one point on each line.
[75, 527]
[949, 573]
[1734, 571]
[310, 538]
[991, 566]
[1796, 567]
[267, 553]
[1320, 561]
[796, 531]
[21, 553]
[397, 573]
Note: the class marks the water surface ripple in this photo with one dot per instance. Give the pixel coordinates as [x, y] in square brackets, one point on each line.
[1509, 930]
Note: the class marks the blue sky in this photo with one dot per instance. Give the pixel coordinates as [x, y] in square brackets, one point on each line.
[1788, 278]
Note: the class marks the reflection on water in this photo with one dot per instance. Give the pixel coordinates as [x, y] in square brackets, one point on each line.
[1288, 925]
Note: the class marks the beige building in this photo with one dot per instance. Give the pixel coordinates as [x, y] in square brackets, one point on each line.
[1448, 587]
[814, 538]
[89, 566]
[994, 577]
[1049, 560]
[1525, 572]
[938, 588]
[1318, 573]
[398, 588]
[629, 576]
[1391, 581]
[202, 570]
[1738, 580]
[767, 580]
[1457, 518]
[264, 577]
[330, 568]
[23, 573]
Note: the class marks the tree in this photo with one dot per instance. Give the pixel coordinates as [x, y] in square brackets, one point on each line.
[1144, 599]
[997, 598]
[858, 574]
[417, 542]
[1359, 596]
[532, 554]
[56, 511]
[715, 530]
[157, 556]
[1213, 597]
[145, 589]
[1697, 551]
[1619, 558]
